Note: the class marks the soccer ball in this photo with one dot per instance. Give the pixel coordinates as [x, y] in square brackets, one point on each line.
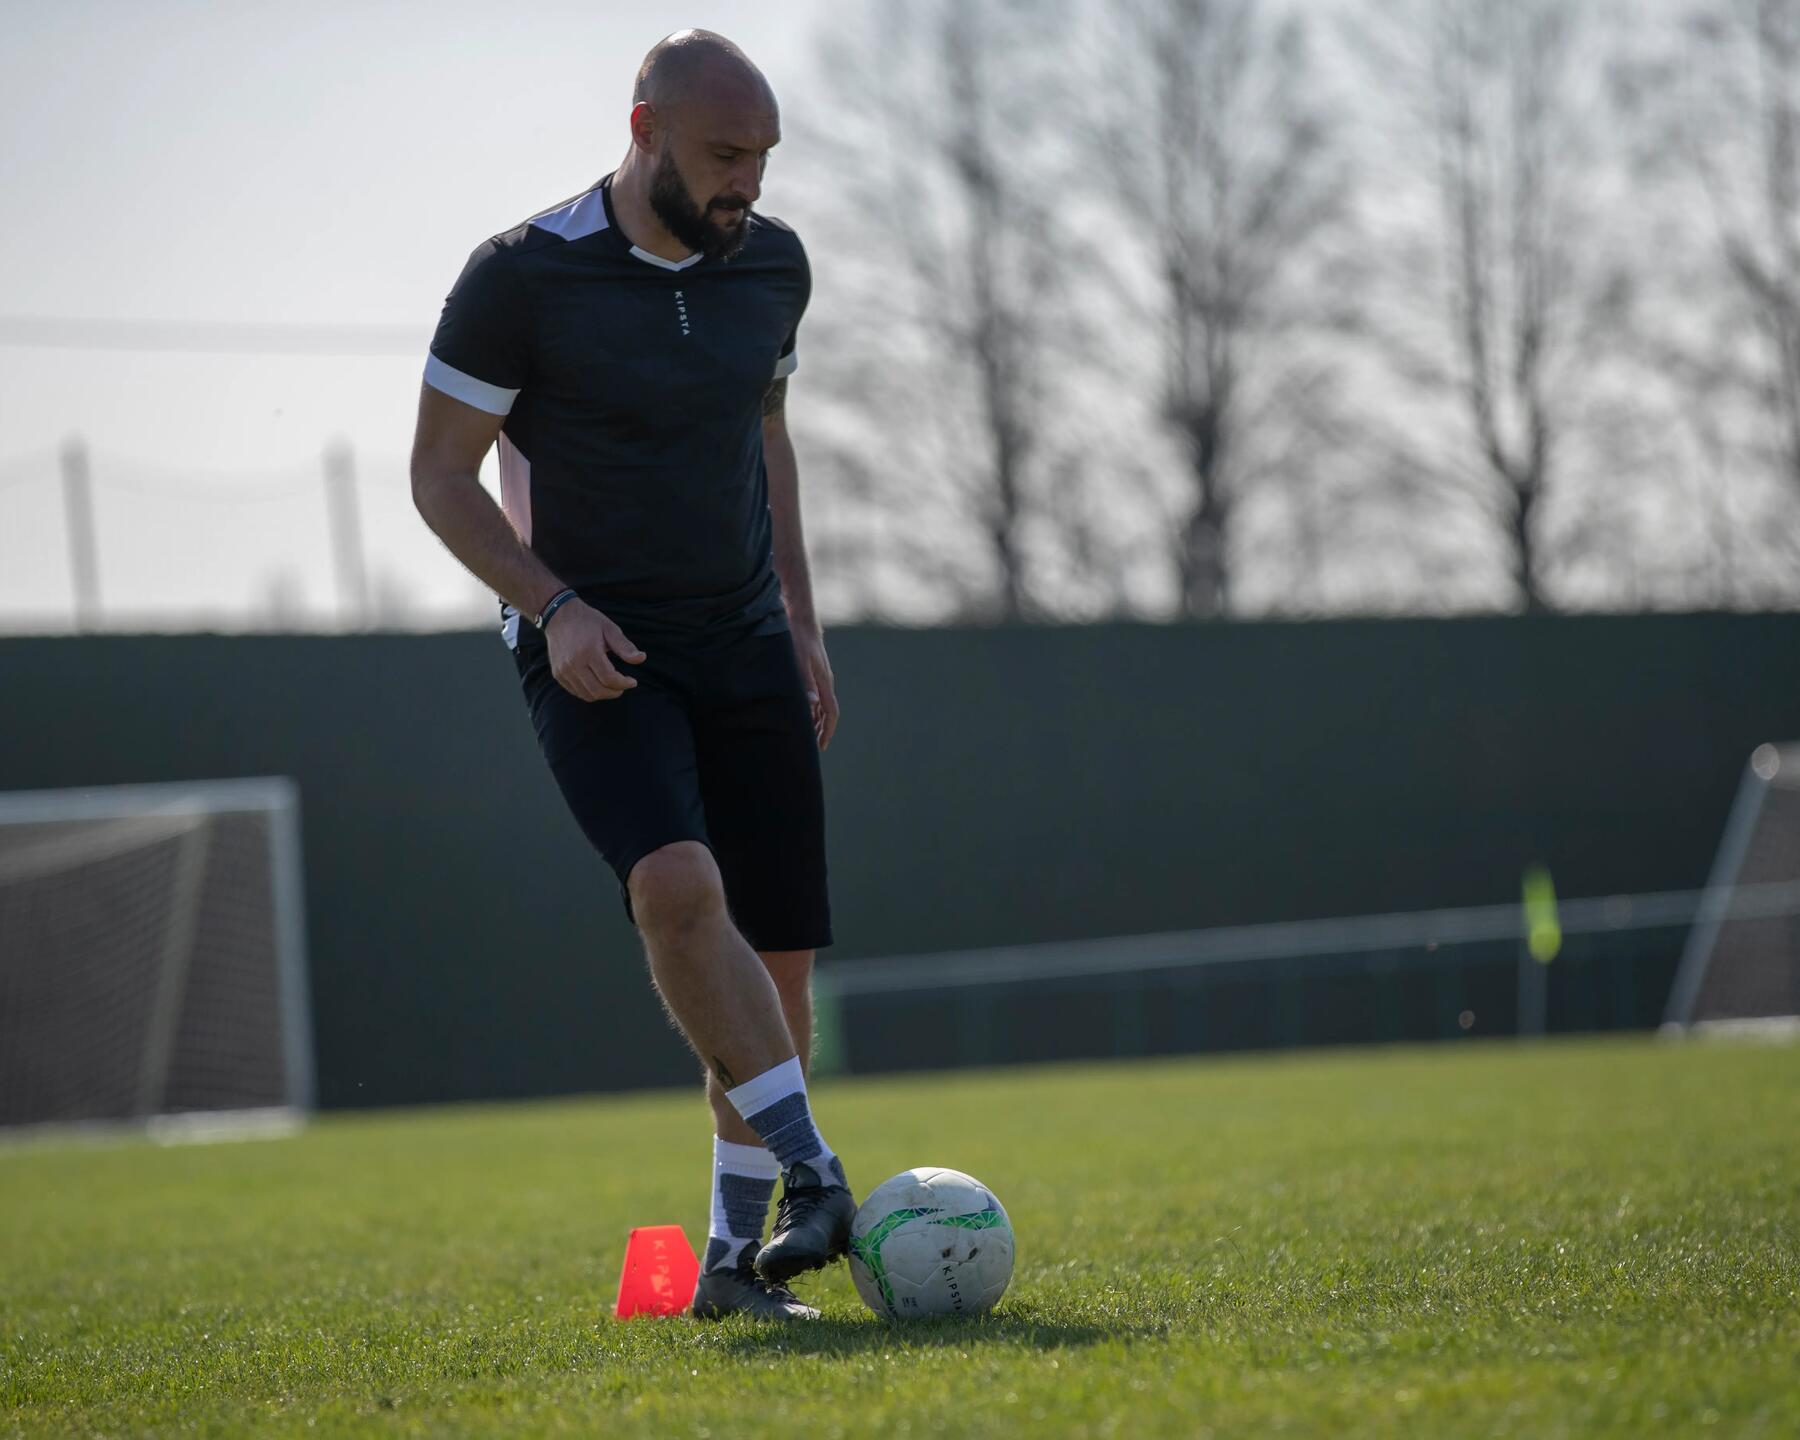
[931, 1242]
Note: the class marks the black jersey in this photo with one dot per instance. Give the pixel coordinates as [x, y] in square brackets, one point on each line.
[631, 460]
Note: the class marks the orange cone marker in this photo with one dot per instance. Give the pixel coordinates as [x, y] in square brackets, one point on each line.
[661, 1271]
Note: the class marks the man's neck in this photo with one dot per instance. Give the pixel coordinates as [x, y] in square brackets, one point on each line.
[631, 208]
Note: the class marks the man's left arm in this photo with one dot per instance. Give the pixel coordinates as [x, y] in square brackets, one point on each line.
[790, 562]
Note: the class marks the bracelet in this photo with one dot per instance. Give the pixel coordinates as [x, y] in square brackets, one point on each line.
[557, 601]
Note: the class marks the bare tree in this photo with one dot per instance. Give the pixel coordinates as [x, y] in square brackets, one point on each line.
[941, 315]
[1717, 98]
[1504, 291]
[1218, 150]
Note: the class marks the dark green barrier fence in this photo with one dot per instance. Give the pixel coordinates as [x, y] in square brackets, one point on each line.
[989, 786]
[1466, 990]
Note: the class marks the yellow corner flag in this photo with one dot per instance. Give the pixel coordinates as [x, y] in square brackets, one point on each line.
[1543, 931]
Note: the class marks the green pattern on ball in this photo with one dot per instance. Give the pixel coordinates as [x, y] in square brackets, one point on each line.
[977, 1220]
[867, 1248]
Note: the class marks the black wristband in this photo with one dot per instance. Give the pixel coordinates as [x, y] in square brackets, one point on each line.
[557, 601]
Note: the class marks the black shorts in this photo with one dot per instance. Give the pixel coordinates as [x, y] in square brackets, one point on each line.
[716, 745]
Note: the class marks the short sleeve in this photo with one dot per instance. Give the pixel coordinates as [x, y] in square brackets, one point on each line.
[788, 360]
[481, 352]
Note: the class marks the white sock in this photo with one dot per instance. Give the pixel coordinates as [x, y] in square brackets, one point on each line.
[774, 1105]
[743, 1182]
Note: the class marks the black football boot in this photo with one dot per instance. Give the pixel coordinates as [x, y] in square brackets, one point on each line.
[812, 1222]
[739, 1290]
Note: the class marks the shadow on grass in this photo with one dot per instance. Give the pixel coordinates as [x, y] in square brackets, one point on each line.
[1021, 1330]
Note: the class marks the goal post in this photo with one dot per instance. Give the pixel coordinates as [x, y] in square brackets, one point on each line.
[1740, 968]
[153, 955]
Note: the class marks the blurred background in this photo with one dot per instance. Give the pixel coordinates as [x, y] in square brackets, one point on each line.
[1267, 466]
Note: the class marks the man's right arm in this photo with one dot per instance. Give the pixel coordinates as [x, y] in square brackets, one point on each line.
[448, 447]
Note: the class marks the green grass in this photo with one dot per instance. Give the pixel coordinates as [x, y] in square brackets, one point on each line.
[1568, 1239]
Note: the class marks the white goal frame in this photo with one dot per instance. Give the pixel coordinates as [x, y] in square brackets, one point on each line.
[278, 798]
[1721, 901]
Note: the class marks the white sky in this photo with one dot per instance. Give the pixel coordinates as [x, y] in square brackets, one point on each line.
[329, 163]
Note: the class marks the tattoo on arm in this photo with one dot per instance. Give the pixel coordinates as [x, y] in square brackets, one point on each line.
[775, 397]
[723, 1073]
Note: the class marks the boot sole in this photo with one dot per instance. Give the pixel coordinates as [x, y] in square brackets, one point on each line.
[772, 1317]
[785, 1268]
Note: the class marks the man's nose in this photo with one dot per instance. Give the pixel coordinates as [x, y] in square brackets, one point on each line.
[746, 180]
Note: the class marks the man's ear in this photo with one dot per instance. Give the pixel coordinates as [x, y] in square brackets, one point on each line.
[643, 125]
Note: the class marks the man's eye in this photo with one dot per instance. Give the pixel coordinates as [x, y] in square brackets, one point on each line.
[724, 155]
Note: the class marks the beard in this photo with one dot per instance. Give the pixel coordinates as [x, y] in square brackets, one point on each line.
[687, 222]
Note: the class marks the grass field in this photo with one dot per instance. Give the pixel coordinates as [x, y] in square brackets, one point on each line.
[1568, 1239]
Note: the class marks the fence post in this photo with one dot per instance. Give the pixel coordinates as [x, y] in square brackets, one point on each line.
[346, 535]
[84, 551]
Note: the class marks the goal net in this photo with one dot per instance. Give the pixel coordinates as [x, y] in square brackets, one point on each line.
[152, 954]
[1741, 966]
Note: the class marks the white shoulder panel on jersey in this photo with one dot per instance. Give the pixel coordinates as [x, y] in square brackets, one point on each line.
[584, 215]
[495, 399]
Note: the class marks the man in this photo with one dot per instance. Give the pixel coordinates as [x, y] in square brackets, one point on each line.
[629, 350]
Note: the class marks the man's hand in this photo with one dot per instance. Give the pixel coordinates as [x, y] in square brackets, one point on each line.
[579, 638]
[821, 689]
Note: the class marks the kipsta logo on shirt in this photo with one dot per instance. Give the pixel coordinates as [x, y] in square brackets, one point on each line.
[681, 310]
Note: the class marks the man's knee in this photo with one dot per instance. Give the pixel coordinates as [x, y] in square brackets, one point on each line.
[791, 970]
[676, 889]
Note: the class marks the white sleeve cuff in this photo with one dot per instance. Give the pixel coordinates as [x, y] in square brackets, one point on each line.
[495, 399]
[787, 364]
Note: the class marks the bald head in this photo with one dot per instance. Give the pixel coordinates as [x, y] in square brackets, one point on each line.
[703, 120]
[692, 65]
